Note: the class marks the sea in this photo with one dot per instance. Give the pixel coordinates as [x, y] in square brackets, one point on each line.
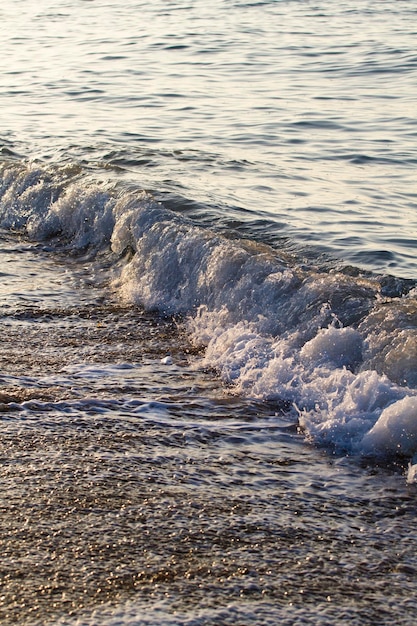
[208, 312]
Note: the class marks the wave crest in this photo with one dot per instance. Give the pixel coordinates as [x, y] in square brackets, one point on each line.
[330, 344]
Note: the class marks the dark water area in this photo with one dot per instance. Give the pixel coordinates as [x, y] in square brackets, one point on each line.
[208, 313]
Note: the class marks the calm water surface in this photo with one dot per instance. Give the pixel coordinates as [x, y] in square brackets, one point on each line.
[300, 113]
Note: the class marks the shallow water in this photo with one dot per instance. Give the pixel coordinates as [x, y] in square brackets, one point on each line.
[208, 313]
[147, 489]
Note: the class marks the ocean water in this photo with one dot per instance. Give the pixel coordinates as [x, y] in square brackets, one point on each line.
[208, 312]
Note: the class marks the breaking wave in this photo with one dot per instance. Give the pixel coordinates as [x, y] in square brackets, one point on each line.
[338, 347]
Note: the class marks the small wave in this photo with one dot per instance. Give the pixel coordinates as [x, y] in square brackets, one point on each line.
[339, 347]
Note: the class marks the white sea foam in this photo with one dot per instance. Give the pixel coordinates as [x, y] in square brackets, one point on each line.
[141, 614]
[272, 330]
[330, 345]
[395, 430]
[52, 202]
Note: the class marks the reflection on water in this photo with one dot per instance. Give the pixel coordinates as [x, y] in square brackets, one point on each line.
[303, 113]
